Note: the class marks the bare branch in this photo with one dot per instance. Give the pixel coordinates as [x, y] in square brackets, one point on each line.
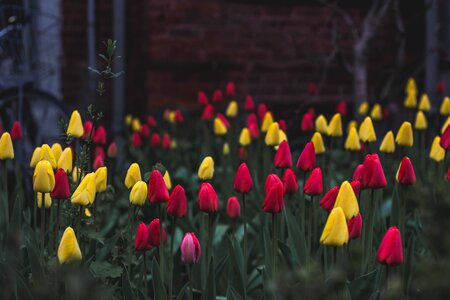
[345, 16]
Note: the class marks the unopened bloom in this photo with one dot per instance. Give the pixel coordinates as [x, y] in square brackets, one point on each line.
[233, 208]
[273, 135]
[388, 144]
[177, 205]
[75, 127]
[138, 193]
[274, 200]
[217, 96]
[101, 178]
[112, 150]
[267, 121]
[232, 109]
[405, 173]
[208, 113]
[445, 107]
[87, 129]
[254, 130]
[69, 250]
[136, 125]
[243, 181]
[372, 173]
[219, 127]
[35, 157]
[155, 140]
[319, 146]
[244, 137]
[346, 199]
[206, 168]
[157, 190]
[352, 142]
[420, 122]
[321, 124]
[47, 200]
[354, 227]
[376, 113]
[65, 160]
[16, 131]
[226, 149]
[314, 185]
[136, 140]
[61, 189]
[424, 103]
[390, 251]
[283, 158]
[445, 139]
[341, 108]
[410, 101]
[307, 159]
[141, 242]
[167, 180]
[437, 153]
[307, 124]
[154, 233]
[202, 98]
[363, 108]
[47, 154]
[100, 136]
[57, 150]
[366, 131]
[98, 163]
[133, 175]
[405, 135]
[328, 200]
[335, 232]
[290, 183]
[43, 177]
[165, 141]
[334, 129]
[207, 198]
[85, 192]
[249, 105]
[190, 249]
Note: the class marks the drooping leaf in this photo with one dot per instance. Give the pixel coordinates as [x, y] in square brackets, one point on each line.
[364, 286]
[158, 286]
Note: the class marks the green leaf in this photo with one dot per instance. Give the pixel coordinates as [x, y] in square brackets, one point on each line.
[267, 250]
[126, 286]
[296, 240]
[158, 286]
[236, 263]
[105, 269]
[37, 270]
[182, 291]
[209, 291]
[232, 294]
[364, 286]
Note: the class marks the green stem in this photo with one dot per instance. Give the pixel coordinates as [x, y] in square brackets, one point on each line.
[210, 239]
[143, 272]
[191, 295]
[245, 245]
[130, 238]
[172, 238]
[161, 246]
[274, 246]
[5, 192]
[58, 212]
[43, 221]
[370, 223]
[314, 224]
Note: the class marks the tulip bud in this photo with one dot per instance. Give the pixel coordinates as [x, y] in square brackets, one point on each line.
[179, 119]
[112, 150]
[249, 105]
[190, 249]
[254, 130]
[226, 149]
[274, 200]
[87, 130]
[61, 189]
[405, 173]
[321, 124]
[273, 135]
[136, 140]
[202, 98]
[133, 175]
[57, 150]
[341, 108]
[372, 173]
[390, 251]
[313, 185]
[232, 109]
[376, 112]
[290, 182]
[219, 127]
[283, 158]
[356, 186]
[358, 173]
[138, 193]
[98, 163]
[141, 242]
[317, 140]
[424, 103]
[334, 129]
[388, 144]
[346, 199]
[307, 159]
[420, 122]
[100, 136]
[157, 190]
[167, 180]
[244, 137]
[217, 96]
[352, 124]
[447, 123]
[307, 124]
[85, 192]
[366, 131]
[230, 89]
[410, 100]
[445, 139]
[206, 169]
[243, 181]
[177, 205]
[445, 107]
[47, 154]
[363, 108]
[75, 127]
[47, 200]
[144, 131]
[233, 208]
[65, 160]
[68, 250]
[335, 232]
[281, 137]
[352, 142]
[267, 121]
[99, 151]
[16, 131]
[43, 177]
[155, 140]
[136, 125]
[405, 135]
[154, 233]
[36, 157]
[208, 113]
[437, 153]
[354, 227]
[328, 200]
[101, 178]
[207, 198]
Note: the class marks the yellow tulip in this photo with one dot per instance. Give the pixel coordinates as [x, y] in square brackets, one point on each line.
[411, 87]
[69, 250]
[36, 157]
[424, 103]
[226, 149]
[282, 136]
[167, 180]
[335, 127]
[347, 200]
[376, 113]
[244, 137]
[47, 200]
[447, 122]
[171, 117]
[138, 193]
[135, 125]
[75, 127]
[65, 160]
[437, 153]
[267, 121]
[321, 124]
[128, 119]
[445, 107]
[335, 232]
[47, 154]
[101, 179]
[6, 147]
[206, 169]
[133, 175]
[351, 124]
[352, 142]
[388, 144]
[173, 144]
[87, 212]
[219, 127]
[421, 121]
[363, 108]
[57, 150]
[43, 177]
[232, 109]
[366, 131]
[317, 140]
[405, 135]
[410, 101]
[273, 135]
[85, 192]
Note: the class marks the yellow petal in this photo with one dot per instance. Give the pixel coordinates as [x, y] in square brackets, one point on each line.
[138, 193]
[206, 169]
[405, 135]
[167, 180]
[232, 109]
[219, 127]
[388, 144]
[47, 154]
[57, 150]
[267, 121]
[445, 107]
[363, 108]
[321, 124]
[366, 131]
[36, 157]
[437, 153]
[420, 122]
[273, 135]
[352, 142]
[244, 137]
[43, 177]
[133, 175]
[6, 147]
[335, 127]
[424, 103]
[65, 160]
[376, 112]
[347, 200]
[101, 178]
[69, 250]
[47, 200]
[75, 127]
[317, 140]
[335, 232]
[85, 193]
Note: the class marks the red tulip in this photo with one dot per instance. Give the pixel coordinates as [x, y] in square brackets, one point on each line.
[440, 87]
[155, 140]
[166, 141]
[252, 118]
[282, 125]
[341, 108]
[141, 242]
[313, 185]
[243, 181]
[208, 113]
[262, 109]
[233, 208]
[177, 205]
[312, 88]
[153, 233]
[136, 140]
[87, 128]
[386, 113]
[217, 96]
[307, 124]
[354, 227]
[144, 131]
[328, 200]
[112, 150]
[356, 186]
[16, 131]
[224, 120]
[271, 180]
[230, 89]
[249, 105]
[98, 163]
[274, 202]
[307, 159]
[290, 182]
[157, 190]
[372, 173]
[99, 136]
[242, 153]
[202, 98]
[207, 198]
[254, 130]
[151, 122]
[390, 251]
[283, 158]
[445, 139]
[99, 151]
[405, 173]
[179, 118]
[61, 189]
[190, 249]
[357, 174]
